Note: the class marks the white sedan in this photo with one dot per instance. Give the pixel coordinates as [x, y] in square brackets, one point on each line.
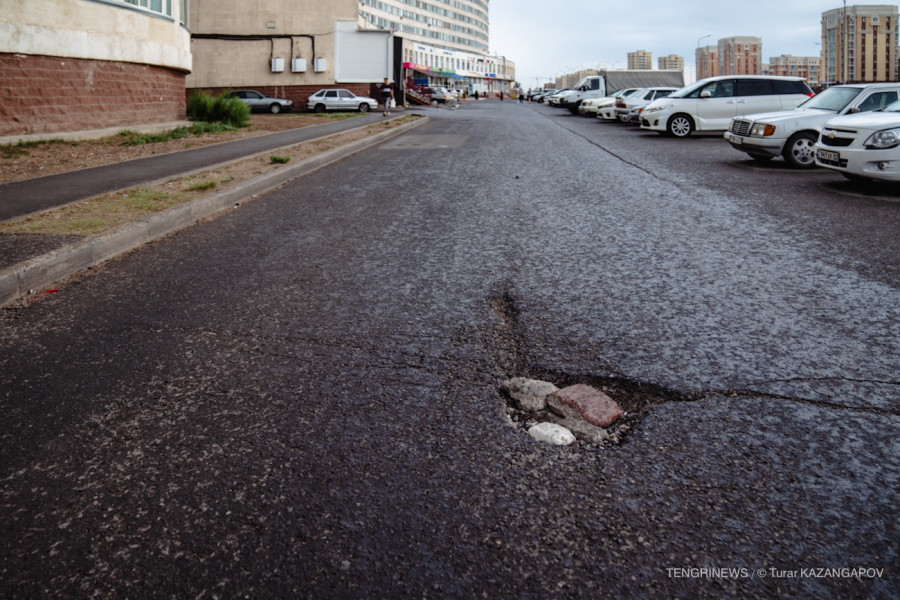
[607, 110]
[862, 146]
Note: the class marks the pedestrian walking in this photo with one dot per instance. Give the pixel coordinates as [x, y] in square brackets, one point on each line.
[476, 95]
[387, 94]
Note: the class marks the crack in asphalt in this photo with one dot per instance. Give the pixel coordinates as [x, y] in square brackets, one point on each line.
[634, 396]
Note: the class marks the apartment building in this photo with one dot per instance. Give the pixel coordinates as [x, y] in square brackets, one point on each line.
[67, 65]
[787, 65]
[672, 62]
[444, 42]
[286, 48]
[859, 43]
[707, 62]
[740, 55]
[640, 60]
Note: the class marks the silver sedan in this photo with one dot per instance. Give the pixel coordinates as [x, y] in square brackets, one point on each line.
[340, 99]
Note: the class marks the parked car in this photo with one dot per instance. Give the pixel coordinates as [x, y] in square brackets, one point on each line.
[441, 95]
[607, 111]
[553, 99]
[863, 146]
[592, 106]
[543, 95]
[257, 101]
[710, 104]
[629, 108]
[340, 99]
[792, 134]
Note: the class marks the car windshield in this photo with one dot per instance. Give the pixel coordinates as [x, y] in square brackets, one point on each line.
[834, 98]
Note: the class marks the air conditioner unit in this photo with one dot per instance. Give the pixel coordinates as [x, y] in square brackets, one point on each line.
[298, 65]
[319, 65]
[277, 65]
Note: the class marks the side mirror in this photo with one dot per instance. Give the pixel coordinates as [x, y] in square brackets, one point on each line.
[706, 94]
[853, 110]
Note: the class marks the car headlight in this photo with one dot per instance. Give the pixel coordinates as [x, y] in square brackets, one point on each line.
[653, 109]
[882, 140]
[762, 130]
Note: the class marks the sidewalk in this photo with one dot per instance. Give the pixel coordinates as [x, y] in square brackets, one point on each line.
[33, 262]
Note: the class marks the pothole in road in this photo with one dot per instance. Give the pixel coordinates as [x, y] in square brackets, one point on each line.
[577, 402]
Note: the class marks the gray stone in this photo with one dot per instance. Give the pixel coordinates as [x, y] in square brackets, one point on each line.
[528, 394]
[582, 430]
[584, 402]
[552, 434]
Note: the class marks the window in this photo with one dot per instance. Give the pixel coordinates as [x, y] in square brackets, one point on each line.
[719, 89]
[877, 101]
[331, 94]
[158, 6]
[791, 87]
[754, 87]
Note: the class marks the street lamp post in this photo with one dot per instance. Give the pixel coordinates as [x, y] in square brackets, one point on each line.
[697, 56]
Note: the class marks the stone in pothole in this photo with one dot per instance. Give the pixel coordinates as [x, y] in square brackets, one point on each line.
[582, 430]
[528, 394]
[552, 434]
[584, 402]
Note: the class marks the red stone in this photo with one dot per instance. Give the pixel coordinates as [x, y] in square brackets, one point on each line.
[584, 402]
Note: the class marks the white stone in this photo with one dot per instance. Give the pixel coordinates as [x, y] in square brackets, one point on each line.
[552, 434]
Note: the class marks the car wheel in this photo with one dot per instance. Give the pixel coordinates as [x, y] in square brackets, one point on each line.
[320, 108]
[761, 157]
[800, 151]
[363, 107]
[681, 126]
[275, 108]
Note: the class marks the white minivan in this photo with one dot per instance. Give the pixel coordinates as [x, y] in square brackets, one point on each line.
[710, 104]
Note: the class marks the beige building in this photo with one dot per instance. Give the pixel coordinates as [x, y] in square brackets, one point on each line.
[859, 43]
[672, 62]
[740, 55]
[444, 43]
[286, 48]
[69, 65]
[787, 65]
[460, 25]
[707, 62]
[640, 60]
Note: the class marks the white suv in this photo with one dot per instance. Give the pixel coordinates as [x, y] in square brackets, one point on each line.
[710, 104]
[793, 133]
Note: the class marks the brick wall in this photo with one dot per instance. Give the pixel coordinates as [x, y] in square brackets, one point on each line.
[45, 94]
[299, 94]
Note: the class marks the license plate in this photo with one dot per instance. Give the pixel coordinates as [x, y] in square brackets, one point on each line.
[828, 156]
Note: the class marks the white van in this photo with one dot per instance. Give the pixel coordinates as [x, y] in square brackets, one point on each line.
[710, 104]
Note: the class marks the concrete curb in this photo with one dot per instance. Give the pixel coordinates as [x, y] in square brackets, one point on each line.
[42, 271]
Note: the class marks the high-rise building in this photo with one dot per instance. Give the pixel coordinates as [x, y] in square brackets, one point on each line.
[672, 62]
[460, 25]
[795, 66]
[444, 42]
[859, 43]
[707, 62]
[640, 60]
[740, 55]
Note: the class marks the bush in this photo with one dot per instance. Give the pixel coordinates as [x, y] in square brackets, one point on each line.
[218, 109]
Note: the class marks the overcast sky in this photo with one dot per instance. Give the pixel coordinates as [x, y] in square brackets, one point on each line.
[548, 38]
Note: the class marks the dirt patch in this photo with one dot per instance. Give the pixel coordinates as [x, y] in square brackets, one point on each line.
[60, 156]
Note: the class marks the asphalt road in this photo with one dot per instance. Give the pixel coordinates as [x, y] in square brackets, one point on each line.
[300, 399]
